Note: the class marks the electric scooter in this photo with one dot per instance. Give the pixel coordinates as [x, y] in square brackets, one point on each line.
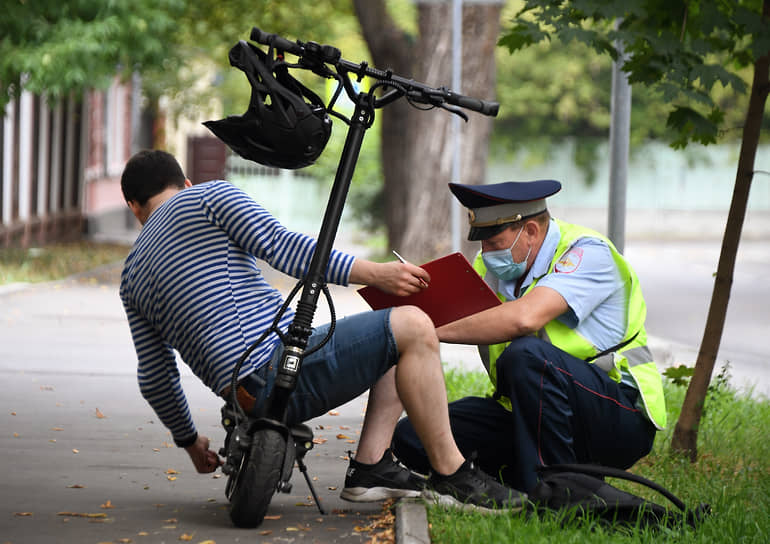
[260, 452]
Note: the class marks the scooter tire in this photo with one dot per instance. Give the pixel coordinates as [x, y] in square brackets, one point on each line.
[259, 479]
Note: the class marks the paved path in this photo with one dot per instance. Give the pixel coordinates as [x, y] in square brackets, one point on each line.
[77, 437]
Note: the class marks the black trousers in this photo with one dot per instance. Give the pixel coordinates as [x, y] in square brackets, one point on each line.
[564, 410]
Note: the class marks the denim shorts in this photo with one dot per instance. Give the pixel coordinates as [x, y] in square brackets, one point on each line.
[360, 351]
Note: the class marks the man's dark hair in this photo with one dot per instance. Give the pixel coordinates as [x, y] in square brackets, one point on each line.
[148, 173]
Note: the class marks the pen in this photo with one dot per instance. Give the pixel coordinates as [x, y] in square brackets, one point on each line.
[400, 258]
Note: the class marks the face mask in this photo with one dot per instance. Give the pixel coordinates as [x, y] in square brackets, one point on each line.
[501, 263]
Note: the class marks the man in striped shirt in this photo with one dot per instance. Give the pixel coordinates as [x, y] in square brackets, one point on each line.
[192, 284]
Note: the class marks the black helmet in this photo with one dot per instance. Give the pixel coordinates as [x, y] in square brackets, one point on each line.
[290, 130]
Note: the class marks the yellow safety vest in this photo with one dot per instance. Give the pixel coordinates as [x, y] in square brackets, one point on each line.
[632, 355]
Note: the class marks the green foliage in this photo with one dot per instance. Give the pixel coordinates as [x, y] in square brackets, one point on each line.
[687, 52]
[56, 261]
[462, 383]
[679, 375]
[55, 47]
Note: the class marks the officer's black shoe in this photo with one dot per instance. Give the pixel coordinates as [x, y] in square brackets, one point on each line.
[386, 479]
[470, 488]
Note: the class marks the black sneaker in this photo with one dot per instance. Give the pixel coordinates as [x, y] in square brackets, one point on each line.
[470, 488]
[386, 479]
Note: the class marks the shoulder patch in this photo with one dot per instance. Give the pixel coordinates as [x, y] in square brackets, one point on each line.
[570, 261]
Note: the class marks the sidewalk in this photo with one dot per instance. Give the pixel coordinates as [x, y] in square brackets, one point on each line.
[89, 462]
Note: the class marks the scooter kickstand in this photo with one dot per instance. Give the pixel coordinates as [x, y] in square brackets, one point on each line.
[303, 470]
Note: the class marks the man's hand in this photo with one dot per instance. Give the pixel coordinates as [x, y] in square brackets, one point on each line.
[394, 277]
[204, 459]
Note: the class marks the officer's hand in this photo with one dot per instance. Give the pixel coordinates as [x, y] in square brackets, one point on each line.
[204, 459]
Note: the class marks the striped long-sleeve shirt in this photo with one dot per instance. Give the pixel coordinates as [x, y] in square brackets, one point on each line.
[192, 283]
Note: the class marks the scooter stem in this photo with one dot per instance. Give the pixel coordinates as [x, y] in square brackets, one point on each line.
[301, 326]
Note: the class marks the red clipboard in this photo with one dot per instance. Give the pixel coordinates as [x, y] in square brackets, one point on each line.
[455, 291]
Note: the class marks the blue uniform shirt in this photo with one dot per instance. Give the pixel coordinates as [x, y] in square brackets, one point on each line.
[587, 278]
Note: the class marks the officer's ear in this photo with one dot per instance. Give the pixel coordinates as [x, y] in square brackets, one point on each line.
[533, 229]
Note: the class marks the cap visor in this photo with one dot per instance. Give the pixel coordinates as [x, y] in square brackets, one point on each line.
[476, 234]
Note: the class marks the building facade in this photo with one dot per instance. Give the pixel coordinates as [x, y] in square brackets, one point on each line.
[60, 163]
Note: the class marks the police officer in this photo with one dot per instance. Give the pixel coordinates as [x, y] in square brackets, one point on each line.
[566, 352]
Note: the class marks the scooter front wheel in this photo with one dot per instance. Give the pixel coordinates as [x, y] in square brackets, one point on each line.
[257, 479]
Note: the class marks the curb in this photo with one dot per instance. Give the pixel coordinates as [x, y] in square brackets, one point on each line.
[9, 288]
[411, 522]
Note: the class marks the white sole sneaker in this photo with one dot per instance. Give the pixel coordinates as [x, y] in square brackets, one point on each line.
[374, 494]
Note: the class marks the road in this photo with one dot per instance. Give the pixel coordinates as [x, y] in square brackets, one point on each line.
[677, 281]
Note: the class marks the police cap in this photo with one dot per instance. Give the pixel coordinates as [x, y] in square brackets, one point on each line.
[492, 207]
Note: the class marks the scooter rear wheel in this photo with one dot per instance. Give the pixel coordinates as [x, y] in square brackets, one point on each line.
[258, 479]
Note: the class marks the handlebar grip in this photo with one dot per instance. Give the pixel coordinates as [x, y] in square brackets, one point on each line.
[277, 41]
[484, 107]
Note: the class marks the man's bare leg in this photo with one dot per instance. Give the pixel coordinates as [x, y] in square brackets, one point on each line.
[416, 383]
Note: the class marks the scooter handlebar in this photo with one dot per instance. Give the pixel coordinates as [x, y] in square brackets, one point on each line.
[413, 88]
[279, 42]
[484, 107]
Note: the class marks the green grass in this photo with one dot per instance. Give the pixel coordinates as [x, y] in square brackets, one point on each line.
[56, 261]
[732, 475]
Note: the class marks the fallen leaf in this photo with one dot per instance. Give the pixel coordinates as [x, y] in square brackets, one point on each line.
[334, 413]
[172, 471]
[266, 532]
[82, 514]
[57, 429]
[143, 533]
[207, 542]
[13, 413]
[107, 504]
[350, 441]
[99, 414]
[22, 514]
[75, 486]
[170, 520]
[46, 388]
[217, 476]
[185, 537]
[16, 435]
[277, 516]
[171, 478]
[125, 540]
[75, 451]
[332, 488]
[343, 437]
[320, 440]
[52, 440]
[344, 427]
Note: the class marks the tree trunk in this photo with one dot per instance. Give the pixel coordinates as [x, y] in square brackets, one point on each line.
[417, 145]
[685, 436]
